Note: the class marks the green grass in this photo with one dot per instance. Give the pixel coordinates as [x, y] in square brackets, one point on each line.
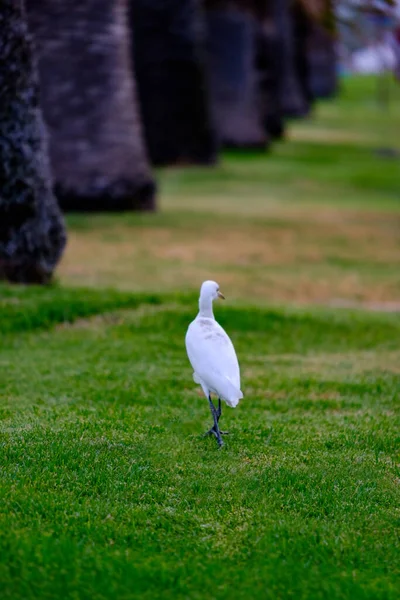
[108, 490]
[331, 160]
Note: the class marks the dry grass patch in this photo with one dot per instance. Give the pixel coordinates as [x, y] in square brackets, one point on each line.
[333, 364]
[328, 136]
[302, 256]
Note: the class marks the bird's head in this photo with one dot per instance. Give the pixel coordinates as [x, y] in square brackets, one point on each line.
[210, 290]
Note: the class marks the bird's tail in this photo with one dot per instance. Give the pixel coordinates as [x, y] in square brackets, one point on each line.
[233, 401]
[233, 395]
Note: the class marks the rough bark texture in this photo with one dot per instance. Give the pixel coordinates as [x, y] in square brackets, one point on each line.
[268, 66]
[234, 72]
[88, 97]
[32, 233]
[168, 59]
[323, 82]
[294, 101]
[301, 30]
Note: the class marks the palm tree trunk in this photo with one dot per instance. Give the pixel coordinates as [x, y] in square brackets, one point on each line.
[89, 103]
[169, 66]
[268, 66]
[301, 30]
[321, 54]
[233, 31]
[32, 233]
[293, 99]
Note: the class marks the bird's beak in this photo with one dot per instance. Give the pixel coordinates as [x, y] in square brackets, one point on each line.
[221, 296]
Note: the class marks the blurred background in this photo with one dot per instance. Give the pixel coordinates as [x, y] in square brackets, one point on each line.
[146, 146]
[255, 142]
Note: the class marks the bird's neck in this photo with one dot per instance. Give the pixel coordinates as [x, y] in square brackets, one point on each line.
[206, 309]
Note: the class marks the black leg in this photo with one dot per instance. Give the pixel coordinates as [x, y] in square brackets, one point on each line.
[215, 429]
[216, 413]
[219, 411]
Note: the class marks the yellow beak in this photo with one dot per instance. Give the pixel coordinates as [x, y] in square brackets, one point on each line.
[221, 296]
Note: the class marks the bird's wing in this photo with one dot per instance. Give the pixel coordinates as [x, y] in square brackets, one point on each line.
[213, 357]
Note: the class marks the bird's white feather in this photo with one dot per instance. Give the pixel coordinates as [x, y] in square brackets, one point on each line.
[213, 358]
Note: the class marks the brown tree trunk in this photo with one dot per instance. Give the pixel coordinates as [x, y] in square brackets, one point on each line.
[321, 55]
[233, 68]
[301, 30]
[268, 66]
[169, 67]
[89, 103]
[293, 99]
[32, 233]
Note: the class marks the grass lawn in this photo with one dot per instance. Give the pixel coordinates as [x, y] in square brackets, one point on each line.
[108, 489]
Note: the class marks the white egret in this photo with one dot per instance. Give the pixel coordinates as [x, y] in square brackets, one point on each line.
[213, 357]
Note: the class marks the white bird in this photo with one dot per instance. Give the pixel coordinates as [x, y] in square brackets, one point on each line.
[213, 357]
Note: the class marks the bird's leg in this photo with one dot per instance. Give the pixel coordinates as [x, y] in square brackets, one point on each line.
[216, 413]
[215, 429]
[219, 412]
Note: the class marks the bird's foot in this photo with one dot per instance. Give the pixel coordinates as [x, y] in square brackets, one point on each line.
[213, 431]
